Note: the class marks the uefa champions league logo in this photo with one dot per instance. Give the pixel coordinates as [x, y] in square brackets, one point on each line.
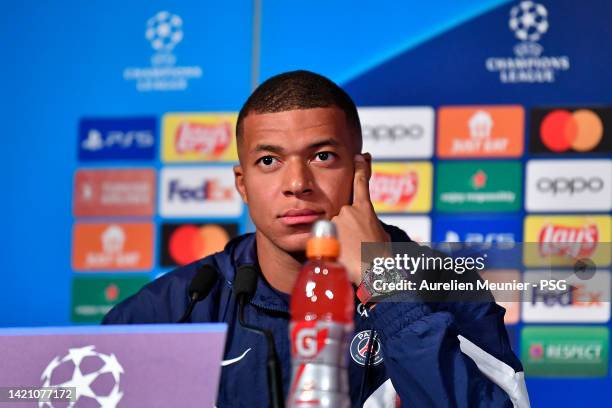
[164, 31]
[94, 375]
[528, 21]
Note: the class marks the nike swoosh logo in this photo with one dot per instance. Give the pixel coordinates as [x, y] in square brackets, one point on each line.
[234, 360]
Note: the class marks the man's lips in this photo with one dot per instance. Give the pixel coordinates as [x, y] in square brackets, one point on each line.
[295, 216]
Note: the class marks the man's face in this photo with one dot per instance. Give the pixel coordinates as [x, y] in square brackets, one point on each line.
[295, 167]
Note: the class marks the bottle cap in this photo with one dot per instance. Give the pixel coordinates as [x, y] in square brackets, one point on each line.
[324, 229]
[324, 241]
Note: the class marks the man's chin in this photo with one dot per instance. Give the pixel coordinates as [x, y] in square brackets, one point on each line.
[295, 242]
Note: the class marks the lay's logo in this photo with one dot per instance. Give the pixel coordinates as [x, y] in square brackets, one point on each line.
[571, 241]
[401, 187]
[394, 189]
[202, 138]
[562, 240]
[197, 137]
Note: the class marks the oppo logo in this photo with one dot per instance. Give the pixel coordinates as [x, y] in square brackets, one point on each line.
[573, 185]
[393, 133]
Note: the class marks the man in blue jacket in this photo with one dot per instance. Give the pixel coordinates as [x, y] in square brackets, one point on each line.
[299, 146]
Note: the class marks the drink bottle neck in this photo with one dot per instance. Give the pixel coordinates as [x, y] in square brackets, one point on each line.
[323, 259]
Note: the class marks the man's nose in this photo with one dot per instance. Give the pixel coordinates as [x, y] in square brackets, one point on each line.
[297, 179]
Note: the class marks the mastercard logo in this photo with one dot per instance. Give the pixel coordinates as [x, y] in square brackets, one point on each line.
[562, 130]
[187, 243]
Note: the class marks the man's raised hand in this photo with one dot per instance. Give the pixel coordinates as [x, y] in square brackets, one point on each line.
[357, 223]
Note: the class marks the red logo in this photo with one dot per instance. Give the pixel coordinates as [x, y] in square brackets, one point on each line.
[207, 139]
[562, 130]
[190, 242]
[308, 341]
[536, 351]
[568, 241]
[394, 189]
[111, 293]
[121, 192]
[479, 180]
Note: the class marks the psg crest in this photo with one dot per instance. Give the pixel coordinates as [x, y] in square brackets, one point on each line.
[359, 349]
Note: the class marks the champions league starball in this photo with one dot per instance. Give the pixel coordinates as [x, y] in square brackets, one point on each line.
[164, 31]
[95, 377]
[529, 21]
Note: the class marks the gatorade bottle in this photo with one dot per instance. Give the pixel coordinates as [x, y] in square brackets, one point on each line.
[322, 311]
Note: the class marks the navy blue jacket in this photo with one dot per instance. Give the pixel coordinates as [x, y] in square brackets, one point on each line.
[421, 344]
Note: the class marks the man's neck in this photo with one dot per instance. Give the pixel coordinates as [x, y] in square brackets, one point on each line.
[280, 268]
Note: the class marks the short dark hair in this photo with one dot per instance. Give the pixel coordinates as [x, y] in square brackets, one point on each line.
[299, 90]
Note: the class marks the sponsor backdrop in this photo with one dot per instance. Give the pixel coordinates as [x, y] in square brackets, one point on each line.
[490, 122]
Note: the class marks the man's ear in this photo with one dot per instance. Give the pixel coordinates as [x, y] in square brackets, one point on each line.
[239, 182]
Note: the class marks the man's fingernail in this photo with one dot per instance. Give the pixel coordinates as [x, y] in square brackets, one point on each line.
[359, 158]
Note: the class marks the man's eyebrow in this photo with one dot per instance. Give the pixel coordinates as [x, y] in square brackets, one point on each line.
[325, 142]
[268, 148]
[280, 150]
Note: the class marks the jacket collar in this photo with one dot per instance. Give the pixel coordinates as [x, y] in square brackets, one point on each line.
[243, 251]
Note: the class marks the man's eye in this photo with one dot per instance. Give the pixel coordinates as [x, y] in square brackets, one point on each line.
[267, 160]
[324, 156]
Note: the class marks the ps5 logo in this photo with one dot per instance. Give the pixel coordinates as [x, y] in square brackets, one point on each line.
[96, 140]
[503, 240]
[117, 138]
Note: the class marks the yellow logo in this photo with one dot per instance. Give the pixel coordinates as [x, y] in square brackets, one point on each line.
[199, 137]
[401, 187]
[563, 240]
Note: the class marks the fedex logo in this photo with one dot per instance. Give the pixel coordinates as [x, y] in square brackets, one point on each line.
[205, 191]
[117, 139]
[577, 295]
[208, 190]
[583, 300]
